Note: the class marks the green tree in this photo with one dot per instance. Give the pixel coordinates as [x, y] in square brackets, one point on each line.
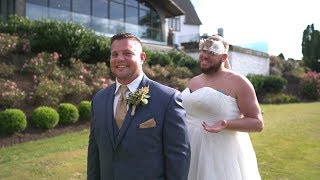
[311, 48]
[281, 56]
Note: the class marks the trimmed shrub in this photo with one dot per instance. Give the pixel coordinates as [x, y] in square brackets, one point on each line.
[12, 120]
[84, 110]
[257, 82]
[45, 117]
[274, 84]
[309, 90]
[68, 113]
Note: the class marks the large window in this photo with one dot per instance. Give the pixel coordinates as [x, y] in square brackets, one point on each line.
[60, 10]
[7, 8]
[131, 13]
[81, 6]
[1, 9]
[82, 10]
[37, 9]
[116, 11]
[100, 8]
[105, 16]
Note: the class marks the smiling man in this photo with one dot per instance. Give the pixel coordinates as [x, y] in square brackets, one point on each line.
[149, 141]
[221, 108]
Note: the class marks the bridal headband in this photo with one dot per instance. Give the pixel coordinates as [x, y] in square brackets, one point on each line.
[213, 46]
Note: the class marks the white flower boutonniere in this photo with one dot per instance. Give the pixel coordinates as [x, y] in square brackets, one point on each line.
[139, 97]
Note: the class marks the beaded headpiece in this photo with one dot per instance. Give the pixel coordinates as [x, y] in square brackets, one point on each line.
[213, 46]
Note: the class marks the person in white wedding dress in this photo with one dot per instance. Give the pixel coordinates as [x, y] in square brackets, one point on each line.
[222, 108]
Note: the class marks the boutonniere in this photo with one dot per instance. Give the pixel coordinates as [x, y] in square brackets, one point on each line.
[139, 97]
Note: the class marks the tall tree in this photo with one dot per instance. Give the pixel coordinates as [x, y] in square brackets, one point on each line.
[311, 48]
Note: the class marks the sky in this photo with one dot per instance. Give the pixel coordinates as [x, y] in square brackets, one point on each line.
[273, 26]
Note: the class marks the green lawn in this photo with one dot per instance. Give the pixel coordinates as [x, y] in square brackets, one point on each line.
[288, 148]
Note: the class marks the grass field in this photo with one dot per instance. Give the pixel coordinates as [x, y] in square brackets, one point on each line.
[288, 148]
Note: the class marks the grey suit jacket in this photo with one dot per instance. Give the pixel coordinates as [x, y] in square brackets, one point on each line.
[152, 153]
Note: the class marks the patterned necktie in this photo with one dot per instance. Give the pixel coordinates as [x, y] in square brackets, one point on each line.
[121, 109]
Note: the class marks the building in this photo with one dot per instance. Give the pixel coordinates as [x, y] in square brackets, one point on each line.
[148, 19]
[144, 18]
[186, 27]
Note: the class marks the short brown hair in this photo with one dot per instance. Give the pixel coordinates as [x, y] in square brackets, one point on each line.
[125, 36]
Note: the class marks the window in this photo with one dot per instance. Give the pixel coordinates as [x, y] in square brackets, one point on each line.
[37, 9]
[105, 16]
[119, 1]
[131, 15]
[174, 23]
[116, 11]
[144, 15]
[60, 4]
[100, 8]
[133, 3]
[60, 10]
[81, 15]
[81, 6]
[38, 2]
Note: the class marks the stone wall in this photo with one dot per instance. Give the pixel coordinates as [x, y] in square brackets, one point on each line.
[247, 61]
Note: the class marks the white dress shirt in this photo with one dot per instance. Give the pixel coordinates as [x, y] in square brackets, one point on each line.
[133, 86]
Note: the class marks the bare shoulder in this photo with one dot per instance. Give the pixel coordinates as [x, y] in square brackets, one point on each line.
[194, 81]
[238, 79]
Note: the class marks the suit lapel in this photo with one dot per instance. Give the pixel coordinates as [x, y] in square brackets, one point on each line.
[109, 113]
[128, 119]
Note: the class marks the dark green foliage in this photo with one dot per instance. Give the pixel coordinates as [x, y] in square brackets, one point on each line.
[274, 84]
[281, 56]
[1, 22]
[172, 58]
[160, 58]
[257, 82]
[68, 113]
[279, 98]
[45, 117]
[94, 49]
[6, 70]
[309, 90]
[68, 39]
[12, 120]
[84, 110]
[267, 84]
[181, 59]
[17, 25]
[311, 48]
[55, 36]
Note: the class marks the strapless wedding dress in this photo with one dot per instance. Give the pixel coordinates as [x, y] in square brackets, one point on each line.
[227, 155]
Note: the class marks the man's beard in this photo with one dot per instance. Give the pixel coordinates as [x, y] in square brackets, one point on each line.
[211, 69]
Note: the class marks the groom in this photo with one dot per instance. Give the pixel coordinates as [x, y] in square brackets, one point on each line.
[145, 141]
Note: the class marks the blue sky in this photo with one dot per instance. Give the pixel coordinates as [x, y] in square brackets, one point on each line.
[272, 25]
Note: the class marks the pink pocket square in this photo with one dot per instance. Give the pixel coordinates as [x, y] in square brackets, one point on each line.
[148, 124]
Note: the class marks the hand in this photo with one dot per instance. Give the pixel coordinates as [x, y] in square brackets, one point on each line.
[215, 127]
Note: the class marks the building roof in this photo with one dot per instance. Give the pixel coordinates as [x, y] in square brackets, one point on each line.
[170, 8]
[190, 13]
